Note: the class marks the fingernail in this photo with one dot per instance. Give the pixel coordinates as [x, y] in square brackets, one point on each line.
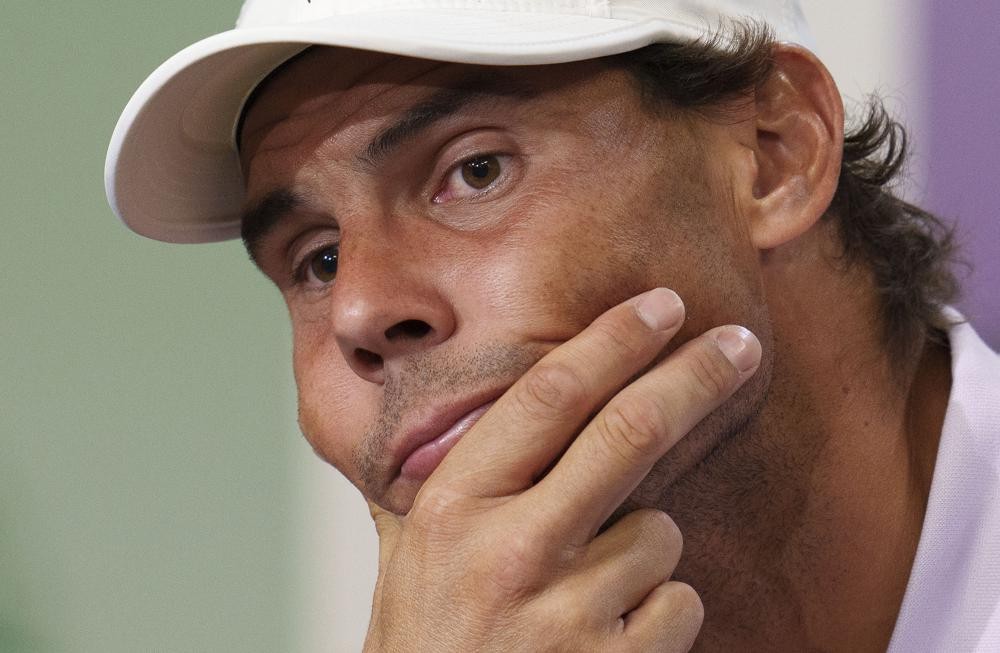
[740, 346]
[659, 308]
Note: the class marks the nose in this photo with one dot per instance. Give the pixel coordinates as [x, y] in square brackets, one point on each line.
[385, 308]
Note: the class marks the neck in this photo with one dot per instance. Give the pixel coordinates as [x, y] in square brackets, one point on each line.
[806, 536]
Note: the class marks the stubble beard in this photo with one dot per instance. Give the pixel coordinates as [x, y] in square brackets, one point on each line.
[425, 378]
[744, 510]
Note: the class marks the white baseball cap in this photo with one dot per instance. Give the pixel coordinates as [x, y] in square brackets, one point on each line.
[172, 171]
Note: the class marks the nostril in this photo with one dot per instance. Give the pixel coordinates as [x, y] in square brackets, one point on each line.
[367, 358]
[414, 329]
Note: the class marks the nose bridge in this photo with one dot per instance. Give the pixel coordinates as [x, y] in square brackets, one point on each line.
[387, 300]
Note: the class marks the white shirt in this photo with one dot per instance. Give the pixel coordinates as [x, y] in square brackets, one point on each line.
[952, 600]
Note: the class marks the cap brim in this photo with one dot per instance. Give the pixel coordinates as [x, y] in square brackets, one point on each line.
[173, 172]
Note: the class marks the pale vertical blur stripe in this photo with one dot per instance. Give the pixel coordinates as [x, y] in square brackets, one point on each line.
[876, 47]
[338, 556]
[868, 46]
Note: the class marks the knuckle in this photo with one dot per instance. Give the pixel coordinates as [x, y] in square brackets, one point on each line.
[633, 429]
[578, 618]
[551, 391]
[688, 612]
[663, 531]
[515, 569]
[435, 506]
[616, 335]
[567, 622]
[712, 376]
[679, 615]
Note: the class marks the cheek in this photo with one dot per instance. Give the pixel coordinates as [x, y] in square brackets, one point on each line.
[558, 270]
[682, 229]
[331, 403]
[586, 232]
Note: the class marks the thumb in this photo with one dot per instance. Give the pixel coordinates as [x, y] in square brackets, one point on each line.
[388, 527]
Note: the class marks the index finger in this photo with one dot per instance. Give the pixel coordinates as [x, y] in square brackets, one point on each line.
[617, 449]
[534, 421]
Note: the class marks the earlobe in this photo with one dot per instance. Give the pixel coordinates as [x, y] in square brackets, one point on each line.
[797, 150]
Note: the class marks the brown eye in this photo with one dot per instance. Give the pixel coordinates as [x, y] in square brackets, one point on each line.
[481, 172]
[324, 264]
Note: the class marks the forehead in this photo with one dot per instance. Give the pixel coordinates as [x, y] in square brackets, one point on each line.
[350, 86]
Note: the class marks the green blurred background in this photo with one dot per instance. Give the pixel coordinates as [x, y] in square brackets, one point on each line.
[139, 510]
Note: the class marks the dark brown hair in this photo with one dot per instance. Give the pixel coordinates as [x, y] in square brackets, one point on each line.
[908, 250]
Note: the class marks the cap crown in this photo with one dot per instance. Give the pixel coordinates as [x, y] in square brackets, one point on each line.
[785, 16]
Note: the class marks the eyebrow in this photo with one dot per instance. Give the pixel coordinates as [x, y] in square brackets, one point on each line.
[261, 218]
[442, 105]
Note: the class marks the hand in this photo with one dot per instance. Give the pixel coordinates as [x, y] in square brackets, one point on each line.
[498, 554]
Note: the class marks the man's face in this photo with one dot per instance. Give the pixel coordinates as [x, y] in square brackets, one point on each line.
[437, 228]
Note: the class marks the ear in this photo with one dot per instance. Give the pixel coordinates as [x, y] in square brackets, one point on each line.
[798, 148]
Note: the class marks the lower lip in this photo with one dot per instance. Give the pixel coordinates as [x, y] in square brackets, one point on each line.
[422, 462]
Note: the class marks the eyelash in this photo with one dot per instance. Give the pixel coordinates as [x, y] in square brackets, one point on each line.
[503, 159]
[300, 269]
